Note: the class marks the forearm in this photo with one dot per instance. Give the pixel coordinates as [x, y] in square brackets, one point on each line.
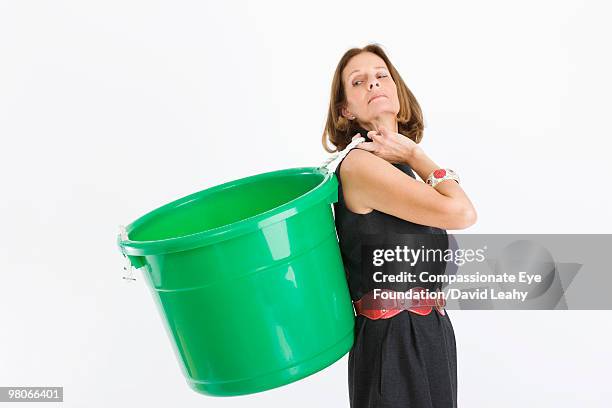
[423, 166]
[421, 163]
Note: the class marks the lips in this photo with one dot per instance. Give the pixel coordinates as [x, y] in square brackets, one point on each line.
[376, 97]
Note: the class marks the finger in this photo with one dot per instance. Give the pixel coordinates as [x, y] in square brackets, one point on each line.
[356, 136]
[383, 131]
[369, 146]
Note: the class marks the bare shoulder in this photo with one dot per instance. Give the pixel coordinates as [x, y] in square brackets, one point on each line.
[357, 157]
[361, 169]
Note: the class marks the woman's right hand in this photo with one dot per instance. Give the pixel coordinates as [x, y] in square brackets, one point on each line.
[393, 147]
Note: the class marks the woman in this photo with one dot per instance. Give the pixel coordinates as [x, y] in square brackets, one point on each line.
[406, 359]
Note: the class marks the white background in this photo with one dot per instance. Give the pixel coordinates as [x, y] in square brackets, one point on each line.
[109, 109]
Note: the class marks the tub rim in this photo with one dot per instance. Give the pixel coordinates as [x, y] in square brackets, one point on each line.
[325, 191]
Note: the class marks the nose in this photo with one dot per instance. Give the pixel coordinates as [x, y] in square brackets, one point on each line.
[373, 83]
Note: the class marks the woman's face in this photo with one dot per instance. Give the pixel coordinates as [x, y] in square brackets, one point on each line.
[370, 91]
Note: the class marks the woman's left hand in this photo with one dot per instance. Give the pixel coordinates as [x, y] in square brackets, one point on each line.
[393, 147]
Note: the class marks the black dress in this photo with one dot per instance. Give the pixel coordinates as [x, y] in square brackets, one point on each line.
[408, 360]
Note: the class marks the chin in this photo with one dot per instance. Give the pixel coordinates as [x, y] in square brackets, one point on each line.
[383, 111]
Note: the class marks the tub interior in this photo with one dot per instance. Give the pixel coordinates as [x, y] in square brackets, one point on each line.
[206, 211]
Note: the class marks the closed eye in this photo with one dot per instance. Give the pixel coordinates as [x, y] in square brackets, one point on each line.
[381, 76]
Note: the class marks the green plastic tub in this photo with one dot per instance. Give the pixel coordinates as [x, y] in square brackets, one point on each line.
[249, 279]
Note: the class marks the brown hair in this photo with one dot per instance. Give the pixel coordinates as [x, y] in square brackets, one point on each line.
[340, 130]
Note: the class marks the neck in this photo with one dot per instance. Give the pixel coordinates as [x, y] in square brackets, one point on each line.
[388, 121]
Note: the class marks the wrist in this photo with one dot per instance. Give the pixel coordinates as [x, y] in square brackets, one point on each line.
[413, 154]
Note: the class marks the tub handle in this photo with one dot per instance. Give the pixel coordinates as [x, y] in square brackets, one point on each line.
[128, 270]
[131, 263]
[331, 163]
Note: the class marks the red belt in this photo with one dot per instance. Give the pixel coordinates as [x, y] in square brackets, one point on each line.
[380, 308]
